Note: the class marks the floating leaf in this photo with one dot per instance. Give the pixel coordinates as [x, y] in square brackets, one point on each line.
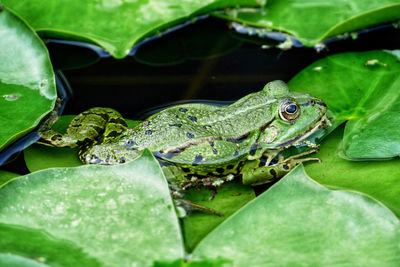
[313, 21]
[299, 221]
[39, 157]
[114, 25]
[27, 88]
[228, 199]
[363, 88]
[6, 176]
[118, 215]
[379, 179]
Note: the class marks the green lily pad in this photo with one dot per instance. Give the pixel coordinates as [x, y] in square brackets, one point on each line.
[114, 25]
[228, 198]
[205, 39]
[39, 157]
[299, 221]
[119, 215]
[379, 179]
[27, 84]
[362, 88]
[5, 176]
[313, 21]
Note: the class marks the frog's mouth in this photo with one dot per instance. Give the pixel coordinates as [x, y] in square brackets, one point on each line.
[324, 122]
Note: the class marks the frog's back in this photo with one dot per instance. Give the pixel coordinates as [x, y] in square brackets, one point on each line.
[204, 134]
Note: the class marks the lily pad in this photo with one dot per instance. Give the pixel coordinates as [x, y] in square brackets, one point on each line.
[27, 84]
[363, 88]
[114, 25]
[39, 157]
[228, 198]
[313, 21]
[379, 179]
[300, 221]
[5, 176]
[119, 215]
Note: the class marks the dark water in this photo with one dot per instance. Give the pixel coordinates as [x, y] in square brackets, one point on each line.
[177, 73]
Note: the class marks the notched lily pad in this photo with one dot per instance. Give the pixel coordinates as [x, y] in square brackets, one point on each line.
[27, 84]
[118, 215]
[363, 88]
[114, 25]
[313, 21]
[298, 220]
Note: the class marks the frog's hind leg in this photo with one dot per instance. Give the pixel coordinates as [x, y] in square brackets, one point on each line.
[95, 125]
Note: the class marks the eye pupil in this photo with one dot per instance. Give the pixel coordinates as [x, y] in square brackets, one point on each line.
[291, 109]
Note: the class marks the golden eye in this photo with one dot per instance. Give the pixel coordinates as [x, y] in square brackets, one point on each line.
[289, 111]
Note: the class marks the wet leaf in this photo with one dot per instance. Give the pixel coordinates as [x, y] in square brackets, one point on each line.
[27, 88]
[39, 157]
[5, 176]
[114, 25]
[313, 21]
[298, 220]
[117, 215]
[379, 179]
[362, 88]
[229, 198]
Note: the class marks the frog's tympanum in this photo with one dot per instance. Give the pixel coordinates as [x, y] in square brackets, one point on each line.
[205, 142]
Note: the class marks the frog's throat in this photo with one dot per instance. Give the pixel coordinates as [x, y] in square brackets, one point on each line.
[324, 121]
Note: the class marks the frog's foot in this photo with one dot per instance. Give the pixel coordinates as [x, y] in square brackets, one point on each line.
[254, 173]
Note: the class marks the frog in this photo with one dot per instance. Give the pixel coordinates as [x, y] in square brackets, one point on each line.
[206, 144]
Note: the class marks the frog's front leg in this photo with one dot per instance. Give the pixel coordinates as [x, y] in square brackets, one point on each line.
[253, 173]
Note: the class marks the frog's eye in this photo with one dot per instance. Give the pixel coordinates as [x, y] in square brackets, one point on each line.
[289, 111]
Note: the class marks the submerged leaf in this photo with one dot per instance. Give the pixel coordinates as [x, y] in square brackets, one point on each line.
[299, 221]
[27, 87]
[118, 215]
[363, 88]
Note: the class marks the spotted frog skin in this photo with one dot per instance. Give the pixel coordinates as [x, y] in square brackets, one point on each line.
[244, 139]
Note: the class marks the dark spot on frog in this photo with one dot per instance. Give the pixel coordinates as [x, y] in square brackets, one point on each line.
[183, 110]
[261, 163]
[190, 135]
[108, 160]
[239, 139]
[230, 167]
[176, 125]
[197, 160]
[215, 151]
[118, 121]
[105, 116]
[220, 170]
[122, 160]
[253, 149]
[236, 154]
[235, 109]
[113, 134]
[145, 124]
[205, 127]
[217, 110]
[211, 143]
[286, 167]
[321, 103]
[130, 143]
[186, 169]
[160, 154]
[272, 172]
[56, 137]
[192, 118]
[176, 116]
[149, 132]
[76, 125]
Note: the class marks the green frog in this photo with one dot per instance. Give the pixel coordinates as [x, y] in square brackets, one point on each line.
[206, 143]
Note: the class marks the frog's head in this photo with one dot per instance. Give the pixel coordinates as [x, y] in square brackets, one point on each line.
[297, 116]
